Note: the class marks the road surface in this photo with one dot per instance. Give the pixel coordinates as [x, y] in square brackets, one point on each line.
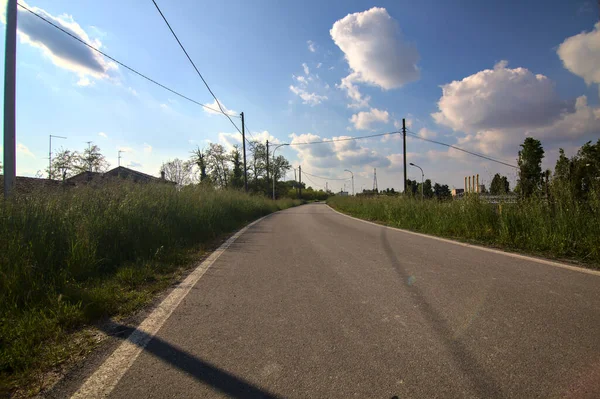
[309, 303]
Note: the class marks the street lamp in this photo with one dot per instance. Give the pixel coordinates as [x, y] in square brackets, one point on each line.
[422, 177]
[280, 145]
[346, 170]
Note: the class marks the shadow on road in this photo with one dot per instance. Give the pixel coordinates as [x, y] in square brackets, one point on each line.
[483, 383]
[202, 371]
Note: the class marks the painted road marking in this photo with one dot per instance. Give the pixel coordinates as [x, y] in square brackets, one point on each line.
[105, 378]
[495, 251]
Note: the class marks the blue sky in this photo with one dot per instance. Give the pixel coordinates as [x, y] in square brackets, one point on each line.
[314, 70]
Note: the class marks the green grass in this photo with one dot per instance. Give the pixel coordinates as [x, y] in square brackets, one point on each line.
[561, 228]
[68, 259]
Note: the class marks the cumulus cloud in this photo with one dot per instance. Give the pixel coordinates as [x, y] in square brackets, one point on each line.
[311, 46]
[215, 106]
[375, 49]
[580, 54]
[62, 50]
[499, 98]
[22, 149]
[335, 155]
[147, 148]
[311, 99]
[352, 91]
[364, 120]
[102, 134]
[229, 140]
[426, 133]
[319, 65]
[496, 109]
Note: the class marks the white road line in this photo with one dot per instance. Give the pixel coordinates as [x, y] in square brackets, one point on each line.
[105, 378]
[495, 251]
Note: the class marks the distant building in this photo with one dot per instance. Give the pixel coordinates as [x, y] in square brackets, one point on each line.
[118, 172]
[28, 185]
[343, 193]
[457, 191]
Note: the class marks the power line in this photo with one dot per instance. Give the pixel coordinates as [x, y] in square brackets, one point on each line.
[413, 134]
[117, 61]
[194, 65]
[346, 139]
[324, 178]
[313, 183]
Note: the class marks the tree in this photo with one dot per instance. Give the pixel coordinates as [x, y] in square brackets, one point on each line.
[63, 165]
[237, 175]
[91, 160]
[441, 191]
[279, 166]
[530, 167]
[500, 185]
[579, 174]
[258, 165]
[217, 163]
[427, 189]
[199, 158]
[178, 171]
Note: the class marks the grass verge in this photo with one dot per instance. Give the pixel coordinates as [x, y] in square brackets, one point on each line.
[558, 229]
[69, 259]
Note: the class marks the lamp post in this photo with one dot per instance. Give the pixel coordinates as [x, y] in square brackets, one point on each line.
[346, 170]
[280, 145]
[422, 177]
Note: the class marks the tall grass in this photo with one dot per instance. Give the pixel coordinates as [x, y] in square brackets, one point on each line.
[561, 228]
[68, 258]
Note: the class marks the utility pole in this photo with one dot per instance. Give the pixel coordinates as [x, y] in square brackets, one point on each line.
[244, 147]
[50, 155]
[119, 158]
[267, 166]
[300, 181]
[326, 186]
[346, 170]
[89, 143]
[295, 182]
[10, 75]
[375, 188]
[404, 149]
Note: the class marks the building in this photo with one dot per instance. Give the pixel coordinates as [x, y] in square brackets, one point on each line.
[343, 193]
[457, 191]
[118, 172]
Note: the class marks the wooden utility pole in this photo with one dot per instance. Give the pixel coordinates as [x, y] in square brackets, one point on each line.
[267, 166]
[10, 74]
[300, 181]
[244, 149]
[404, 149]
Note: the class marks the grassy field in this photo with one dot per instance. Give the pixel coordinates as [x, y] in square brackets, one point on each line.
[68, 259]
[562, 228]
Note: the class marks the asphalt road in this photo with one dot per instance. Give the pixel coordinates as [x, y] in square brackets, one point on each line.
[312, 304]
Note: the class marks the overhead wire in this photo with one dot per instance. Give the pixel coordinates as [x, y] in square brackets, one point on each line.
[345, 139]
[415, 135]
[194, 65]
[117, 61]
[324, 178]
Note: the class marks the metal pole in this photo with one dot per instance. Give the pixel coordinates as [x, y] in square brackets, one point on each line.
[244, 147]
[422, 179]
[267, 167]
[300, 181]
[404, 149]
[10, 75]
[346, 170]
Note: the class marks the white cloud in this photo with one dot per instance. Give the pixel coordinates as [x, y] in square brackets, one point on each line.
[125, 149]
[580, 54]
[301, 79]
[331, 68]
[22, 149]
[147, 148]
[84, 81]
[132, 91]
[497, 109]
[311, 46]
[215, 106]
[364, 120]
[134, 165]
[102, 134]
[165, 107]
[375, 50]
[228, 140]
[311, 99]
[499, 98]
[426, 133]
[306, 69]
[62, 50]
[319, 65]
[327, 158]
[358, 101]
